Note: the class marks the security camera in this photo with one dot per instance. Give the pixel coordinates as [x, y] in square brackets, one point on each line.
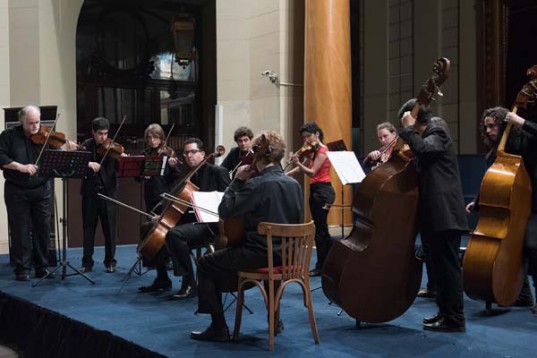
[266, 73]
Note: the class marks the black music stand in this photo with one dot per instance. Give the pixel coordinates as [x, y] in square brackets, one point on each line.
[64, 165]
[139, 166]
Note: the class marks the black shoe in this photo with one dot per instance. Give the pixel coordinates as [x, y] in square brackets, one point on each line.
[444, 325]
[22, 277]
[212, 334]
[315, 272]
[86, 269]
[185, 293]
[42, 273]
[432, 319]
[156, 286]
[425, 293]
[110, 268]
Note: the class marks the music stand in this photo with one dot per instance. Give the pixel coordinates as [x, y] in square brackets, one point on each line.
[133, 167]
[64, 165]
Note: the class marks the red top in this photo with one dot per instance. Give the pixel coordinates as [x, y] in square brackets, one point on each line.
[323, 174]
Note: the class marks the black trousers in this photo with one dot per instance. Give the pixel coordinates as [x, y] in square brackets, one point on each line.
[93, 210]
[320, 195]
[217, 273]
[530, 245]
[28, 212]
[181, 239]
[444, 249]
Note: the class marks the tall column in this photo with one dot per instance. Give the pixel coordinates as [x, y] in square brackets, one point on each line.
[327, 80]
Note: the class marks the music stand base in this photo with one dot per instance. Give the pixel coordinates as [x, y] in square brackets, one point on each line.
[64, 266]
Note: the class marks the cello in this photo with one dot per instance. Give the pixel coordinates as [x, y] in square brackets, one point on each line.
[173, 211]
[373, 274]
[493, 267]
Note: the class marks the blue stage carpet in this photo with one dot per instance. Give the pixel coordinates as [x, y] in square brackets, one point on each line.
[162, 326]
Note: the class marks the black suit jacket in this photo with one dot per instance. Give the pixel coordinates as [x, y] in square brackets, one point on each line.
[107, 176]
[441, 202]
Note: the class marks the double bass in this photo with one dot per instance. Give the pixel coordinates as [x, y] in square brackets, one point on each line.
[493, 267]
[373, 274]
[173, 210]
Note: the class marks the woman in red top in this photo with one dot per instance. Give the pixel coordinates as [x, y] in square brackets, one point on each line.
[317, 167]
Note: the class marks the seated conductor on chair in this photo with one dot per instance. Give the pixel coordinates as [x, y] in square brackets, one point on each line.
[270, 197]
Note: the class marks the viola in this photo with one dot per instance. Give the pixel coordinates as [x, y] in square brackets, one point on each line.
[115, 150]
[55, 139]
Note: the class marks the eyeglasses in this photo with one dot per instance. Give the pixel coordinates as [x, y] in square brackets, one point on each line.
[193, 151]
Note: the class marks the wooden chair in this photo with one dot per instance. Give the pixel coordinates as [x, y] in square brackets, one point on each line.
[296, 246]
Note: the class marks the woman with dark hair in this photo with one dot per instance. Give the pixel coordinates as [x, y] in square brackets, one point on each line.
[317, 167]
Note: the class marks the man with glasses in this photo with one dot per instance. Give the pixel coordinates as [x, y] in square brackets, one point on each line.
[188, 234]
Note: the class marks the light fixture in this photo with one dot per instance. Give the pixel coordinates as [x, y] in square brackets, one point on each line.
[182, 28]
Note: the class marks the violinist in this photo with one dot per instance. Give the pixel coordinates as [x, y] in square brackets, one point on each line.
[322, 195]
[153, 188]
[272, 197]
[441, 215]
[27, 196]
[188, 234]
[522, 141]
[387, 137]
[102, 178]
[236, 157]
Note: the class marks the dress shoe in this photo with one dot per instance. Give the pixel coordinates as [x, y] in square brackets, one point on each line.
[425, 293]
[444, 325]
[212, 334]
[315, 272]
[110, 268]
[43, 273]
[22, 277]
[85, 269]
[432, 319]
[524, 301]
[185, 293]
[156, 286]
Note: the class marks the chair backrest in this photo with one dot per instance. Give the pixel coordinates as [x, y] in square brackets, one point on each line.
[297, 242]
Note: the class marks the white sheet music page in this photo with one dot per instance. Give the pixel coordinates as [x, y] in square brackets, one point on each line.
[346, 166]
[206, 202]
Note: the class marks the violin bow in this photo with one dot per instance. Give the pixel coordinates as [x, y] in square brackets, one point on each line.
[169, 133]
[46, 140]
[113, 140]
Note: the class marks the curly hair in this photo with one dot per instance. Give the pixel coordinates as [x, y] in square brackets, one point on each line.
[498, 114]
[243, 132]
[312, 127]
[269, 147]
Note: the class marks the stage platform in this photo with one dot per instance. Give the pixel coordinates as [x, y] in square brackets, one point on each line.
[74, 318]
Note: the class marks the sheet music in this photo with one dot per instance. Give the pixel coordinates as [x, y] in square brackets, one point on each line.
[346, 166]
[209, 200]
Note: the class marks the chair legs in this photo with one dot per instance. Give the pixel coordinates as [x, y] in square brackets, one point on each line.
[272, 303]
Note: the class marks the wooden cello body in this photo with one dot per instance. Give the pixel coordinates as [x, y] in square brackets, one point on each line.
[373, 274]
[493, 267]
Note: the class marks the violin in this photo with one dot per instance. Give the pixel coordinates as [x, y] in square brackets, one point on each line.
[308, 148]
[164, 150]
[55, 139]
[115, 150]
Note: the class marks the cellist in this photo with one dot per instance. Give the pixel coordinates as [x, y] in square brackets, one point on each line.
[441, 214]
[186, 235]
[522, 141]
